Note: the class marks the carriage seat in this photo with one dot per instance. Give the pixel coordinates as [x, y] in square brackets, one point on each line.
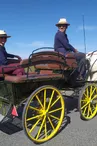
[57, 61]
[46, 65]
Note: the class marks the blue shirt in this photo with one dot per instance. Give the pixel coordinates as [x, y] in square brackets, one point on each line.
[4, 55]
[61, 43]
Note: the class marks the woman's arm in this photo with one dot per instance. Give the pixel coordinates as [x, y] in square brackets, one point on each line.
[14, 56]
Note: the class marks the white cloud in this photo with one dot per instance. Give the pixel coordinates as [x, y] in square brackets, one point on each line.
[87, 28]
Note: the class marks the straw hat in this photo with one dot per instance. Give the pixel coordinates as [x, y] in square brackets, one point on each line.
[62, 21]
[3, 34]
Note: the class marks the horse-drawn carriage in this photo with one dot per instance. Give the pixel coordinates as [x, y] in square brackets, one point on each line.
[41, 92]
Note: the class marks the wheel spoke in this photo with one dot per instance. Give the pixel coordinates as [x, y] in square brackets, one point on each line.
[88, 108]
[33, 117]
[94, 107]
[55, 102]
[94, 97]
[84, 100]
[45, 127]
[39, 131]
[51, 123]
[87, 92]
[54, 117]
[92, 92]
[85, 105]
[86, 97]
[33, 108]
[39, 101]
[50, 100]
[84, 110]
[44, 99]
[34, 126]
[55, 110]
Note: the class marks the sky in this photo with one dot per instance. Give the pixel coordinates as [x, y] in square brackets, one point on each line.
[31, 24]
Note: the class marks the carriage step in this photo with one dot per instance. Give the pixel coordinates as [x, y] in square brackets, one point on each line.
[67, 93]
[70, 93]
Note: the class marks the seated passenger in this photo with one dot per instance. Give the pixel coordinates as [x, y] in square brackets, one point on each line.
[4, 57]
[61, 42]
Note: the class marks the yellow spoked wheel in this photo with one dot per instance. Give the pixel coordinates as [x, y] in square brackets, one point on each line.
[88, 102]
[43, 114]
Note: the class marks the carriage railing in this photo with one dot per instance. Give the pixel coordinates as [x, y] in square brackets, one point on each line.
[50, 60]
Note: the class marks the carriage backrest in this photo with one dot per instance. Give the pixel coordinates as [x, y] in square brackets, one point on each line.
[50, 60]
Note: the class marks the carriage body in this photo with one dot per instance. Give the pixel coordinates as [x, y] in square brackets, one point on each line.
[49, 68]
[41, 93]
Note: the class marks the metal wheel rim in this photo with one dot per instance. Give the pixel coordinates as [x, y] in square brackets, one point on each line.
[88, 102]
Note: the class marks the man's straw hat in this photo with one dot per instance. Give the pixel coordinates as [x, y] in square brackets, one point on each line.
[3, 34]
[62, 21]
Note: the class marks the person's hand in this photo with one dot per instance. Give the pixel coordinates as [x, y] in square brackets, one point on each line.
[19, 58]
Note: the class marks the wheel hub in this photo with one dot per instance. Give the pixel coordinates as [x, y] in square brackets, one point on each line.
[43, 112]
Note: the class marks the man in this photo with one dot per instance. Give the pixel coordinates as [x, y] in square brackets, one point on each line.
[4, 57]
[61, 42]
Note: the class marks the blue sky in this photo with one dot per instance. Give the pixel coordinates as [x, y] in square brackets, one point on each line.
[31, 23]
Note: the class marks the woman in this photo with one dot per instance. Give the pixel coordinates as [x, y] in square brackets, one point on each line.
[4, 57]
